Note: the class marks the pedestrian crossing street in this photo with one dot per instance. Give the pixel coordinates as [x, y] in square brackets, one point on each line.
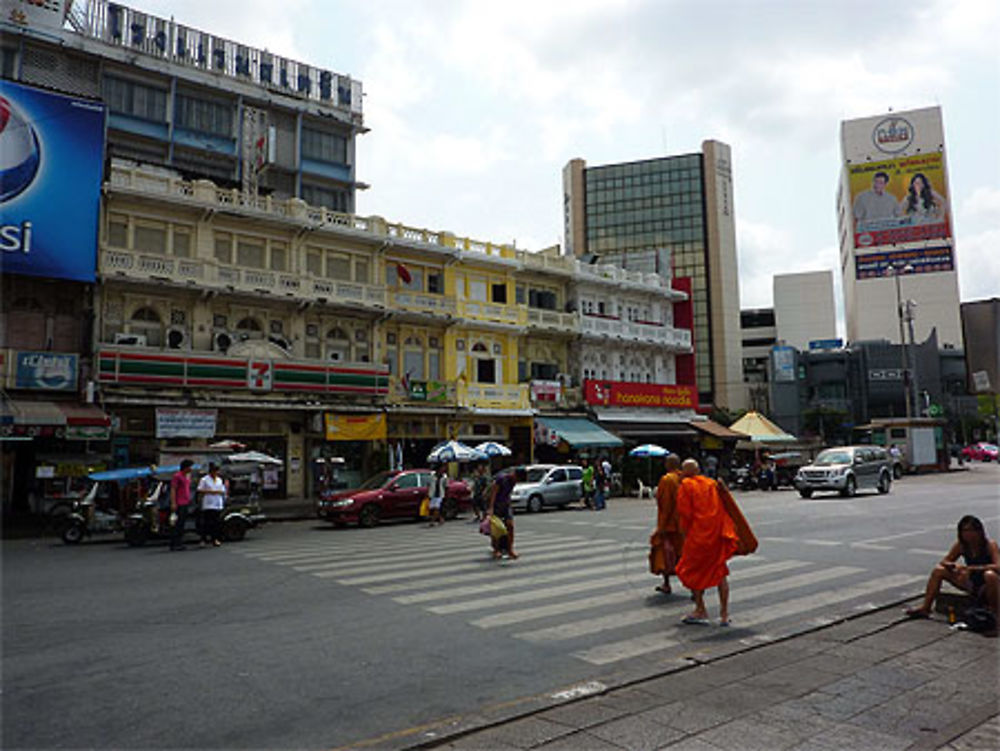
[593, 598]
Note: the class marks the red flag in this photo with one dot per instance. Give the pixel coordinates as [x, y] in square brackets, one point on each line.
[403, 273]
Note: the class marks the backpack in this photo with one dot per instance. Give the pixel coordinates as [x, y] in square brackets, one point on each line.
[979, 619]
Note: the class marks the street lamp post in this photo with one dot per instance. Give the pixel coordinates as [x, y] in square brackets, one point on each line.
[897, 269]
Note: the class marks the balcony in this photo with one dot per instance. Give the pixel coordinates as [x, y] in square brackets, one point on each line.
[493, 395]
[553, 320]
[421, 302]
[211, 274]
[646, 332]
[487, 312]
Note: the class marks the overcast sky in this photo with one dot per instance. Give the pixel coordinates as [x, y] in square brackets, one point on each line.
[474, 106]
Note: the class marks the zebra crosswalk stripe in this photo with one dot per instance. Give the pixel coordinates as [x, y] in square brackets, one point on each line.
[622, 650]
[552, 561]
[484, 603]
[633, 617]
[511, 617]
[377, 571]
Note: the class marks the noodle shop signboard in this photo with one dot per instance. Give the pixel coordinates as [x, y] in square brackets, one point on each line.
[641, 395]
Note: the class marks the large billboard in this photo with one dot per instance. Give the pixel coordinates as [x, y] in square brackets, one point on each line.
[912, 261]
[900, 200]
[51, 162]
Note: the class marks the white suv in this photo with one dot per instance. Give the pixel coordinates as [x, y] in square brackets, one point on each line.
[548, 485]
[846, 469]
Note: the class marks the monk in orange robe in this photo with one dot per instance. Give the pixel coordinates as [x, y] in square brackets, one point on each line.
[710, 540]
[666, 542]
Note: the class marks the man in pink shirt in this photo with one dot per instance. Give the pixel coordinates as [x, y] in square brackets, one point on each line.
[180, 501]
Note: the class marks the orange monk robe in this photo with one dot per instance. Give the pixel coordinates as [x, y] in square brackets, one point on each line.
[662, 559]
[709, 534]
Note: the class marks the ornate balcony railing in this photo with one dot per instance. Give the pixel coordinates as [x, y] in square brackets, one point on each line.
[493, 396]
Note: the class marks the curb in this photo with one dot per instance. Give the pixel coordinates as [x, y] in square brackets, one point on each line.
[449, 730]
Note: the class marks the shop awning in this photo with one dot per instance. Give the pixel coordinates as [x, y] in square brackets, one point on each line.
[712, 428]
[47, 413]
[579, 432]
[645, 425]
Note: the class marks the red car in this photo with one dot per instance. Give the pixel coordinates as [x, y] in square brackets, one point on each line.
[390, 495]
[980, 452]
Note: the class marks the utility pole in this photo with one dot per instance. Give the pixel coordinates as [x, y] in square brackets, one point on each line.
[897, 269]
[914, 382]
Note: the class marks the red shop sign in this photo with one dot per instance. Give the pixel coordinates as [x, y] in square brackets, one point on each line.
[625, 394]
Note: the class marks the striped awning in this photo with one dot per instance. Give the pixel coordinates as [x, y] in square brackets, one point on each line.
[49, 413]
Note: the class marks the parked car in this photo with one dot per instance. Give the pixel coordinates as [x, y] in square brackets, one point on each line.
[846, 469]
[390, 495]
[548, 485]
[980, 452]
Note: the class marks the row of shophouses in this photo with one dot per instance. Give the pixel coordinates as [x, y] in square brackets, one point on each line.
[309, 334]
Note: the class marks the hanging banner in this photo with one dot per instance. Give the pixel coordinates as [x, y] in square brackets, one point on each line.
[185, 423]
[355, 427]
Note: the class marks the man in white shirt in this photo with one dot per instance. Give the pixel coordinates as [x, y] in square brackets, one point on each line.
[875, 203]
[213, 491]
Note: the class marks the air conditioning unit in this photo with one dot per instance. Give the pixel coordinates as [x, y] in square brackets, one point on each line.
[130, 340]
[222, 341]
[176, 338]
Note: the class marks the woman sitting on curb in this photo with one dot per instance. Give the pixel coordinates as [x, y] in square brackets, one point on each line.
[979, 575]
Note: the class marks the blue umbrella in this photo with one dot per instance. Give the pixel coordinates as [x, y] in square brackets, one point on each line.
[132, 473]
[454, 451]
[492, 448]
[647, 450]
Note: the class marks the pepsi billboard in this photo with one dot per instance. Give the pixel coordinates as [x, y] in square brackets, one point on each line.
[51, 161]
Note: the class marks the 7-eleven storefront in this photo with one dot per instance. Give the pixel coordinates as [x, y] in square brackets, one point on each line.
[167, 406]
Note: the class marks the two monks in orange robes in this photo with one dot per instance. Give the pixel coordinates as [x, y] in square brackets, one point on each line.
[714, 531]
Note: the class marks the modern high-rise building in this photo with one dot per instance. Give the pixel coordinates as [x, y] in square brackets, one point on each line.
[804, 311]
[894, 218]
[670, 213]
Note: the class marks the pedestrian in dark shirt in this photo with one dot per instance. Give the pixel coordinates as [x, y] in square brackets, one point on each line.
[499, 506]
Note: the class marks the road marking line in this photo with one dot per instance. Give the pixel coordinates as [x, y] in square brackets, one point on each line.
[531, 595]
[866, 546]
[615, 564]
[479, 549]
[511, 617]
[921, 551]
[824, 543]
[491, 574]
[630, 618]
[647, 644]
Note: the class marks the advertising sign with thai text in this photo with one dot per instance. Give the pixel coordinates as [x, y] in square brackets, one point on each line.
[915, 261]
[185, 423]
[341, 427]
[50, 182]
[900, 200]
[627, 394]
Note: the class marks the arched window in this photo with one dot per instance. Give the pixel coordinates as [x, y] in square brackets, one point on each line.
[338, 347]
[146, 321]
[249, 328]
[338, 334]
[480, 348]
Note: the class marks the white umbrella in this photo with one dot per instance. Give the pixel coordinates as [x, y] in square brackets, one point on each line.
[454, 451]
[252, 457]
[647, 450]
[492, 448]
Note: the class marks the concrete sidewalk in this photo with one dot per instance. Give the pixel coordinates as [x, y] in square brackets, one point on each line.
[876, 681]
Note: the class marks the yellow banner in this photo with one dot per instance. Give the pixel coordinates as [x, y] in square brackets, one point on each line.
[355, 427]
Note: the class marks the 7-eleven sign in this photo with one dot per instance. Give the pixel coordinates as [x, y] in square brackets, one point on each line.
[259, 375]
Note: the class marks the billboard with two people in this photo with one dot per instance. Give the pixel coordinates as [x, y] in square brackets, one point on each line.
[900, 200]
[51, 163]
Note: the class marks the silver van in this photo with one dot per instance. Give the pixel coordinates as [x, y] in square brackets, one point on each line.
[846, 469]
[548, 485]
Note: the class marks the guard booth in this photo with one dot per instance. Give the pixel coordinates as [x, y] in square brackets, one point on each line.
[921, 441]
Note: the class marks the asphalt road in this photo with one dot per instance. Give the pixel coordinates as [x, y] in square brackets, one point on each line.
[309, 637]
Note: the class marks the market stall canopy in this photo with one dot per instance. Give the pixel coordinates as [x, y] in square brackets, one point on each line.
[579, 432]
[759, 429]
[252, 457]
[712, 428]
[492, 448]
[454, 451]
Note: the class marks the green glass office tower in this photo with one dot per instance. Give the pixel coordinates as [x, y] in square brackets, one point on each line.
[671, 215]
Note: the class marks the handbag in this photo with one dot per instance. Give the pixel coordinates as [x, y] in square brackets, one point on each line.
[425, 507]
[979, 619]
